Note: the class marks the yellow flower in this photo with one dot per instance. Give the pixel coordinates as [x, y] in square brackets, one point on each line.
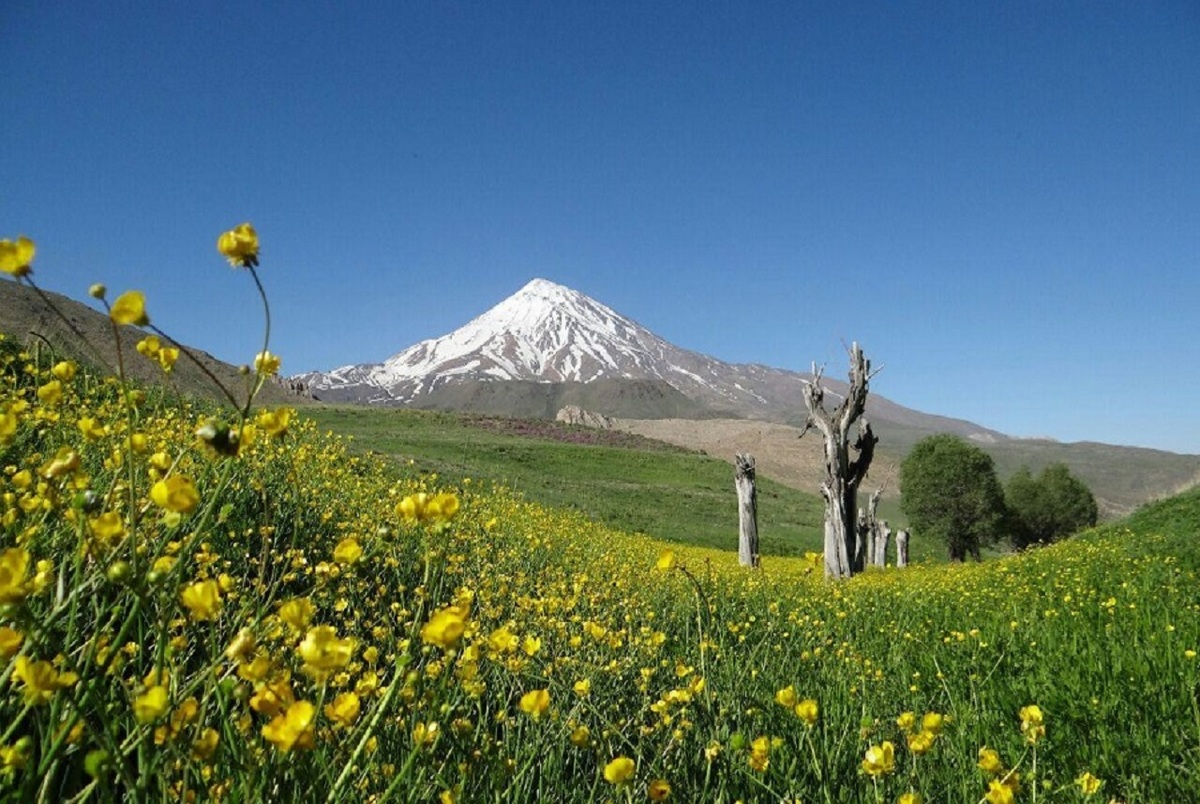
[176, 493]
[275, 422]
[65, 461]
[50, 393]
[152, 704]
[880, 759]
[658, 790]
[40, 680]
[989, 761]
[932, 722]
[906, 721]
[92, 430]
[149, 346]
[167, 357]
[425, 734]
[323, 652]
[293, 729]
[267, 364]
[344, 709]
[64, 370]
[130, 308]
[347, 551]
[535, 703]
[921, 741]
[531, 645]
[14, 566]
[786, 697]
[239, 246]
[581, 736]
[760, 751]
[16, 257]
[203, 600]
[10, 642]
[910, 798]
[205, 745]
[297, 612]
[445, 627]
[1089, 785]
[807, 711]
[619, 771]
[666, 561]
[1032, 724]
[108, 530]
[583, 687]
[421, 507]
[998, 793]
[8, 427]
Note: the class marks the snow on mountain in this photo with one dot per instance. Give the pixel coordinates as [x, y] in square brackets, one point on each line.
[546, 332]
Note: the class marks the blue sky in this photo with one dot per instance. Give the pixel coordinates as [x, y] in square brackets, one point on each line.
[1000, 201]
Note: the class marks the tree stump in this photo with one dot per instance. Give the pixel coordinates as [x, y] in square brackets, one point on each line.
[902, 548]
[743, 481]
[882, 534]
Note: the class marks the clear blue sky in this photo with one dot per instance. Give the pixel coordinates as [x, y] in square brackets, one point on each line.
[1000, 201]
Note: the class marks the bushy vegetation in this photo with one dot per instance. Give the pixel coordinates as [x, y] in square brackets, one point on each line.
[227, 604]
[1047, 508]
[950, 492]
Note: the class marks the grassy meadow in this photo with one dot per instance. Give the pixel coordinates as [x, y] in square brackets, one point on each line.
[202, 603]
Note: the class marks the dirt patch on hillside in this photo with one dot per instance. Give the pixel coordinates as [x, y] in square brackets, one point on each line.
[779, 452]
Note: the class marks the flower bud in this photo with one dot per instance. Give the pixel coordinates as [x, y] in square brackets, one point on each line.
[97, 291]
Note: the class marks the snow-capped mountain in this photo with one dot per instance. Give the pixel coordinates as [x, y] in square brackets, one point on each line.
[549, 333]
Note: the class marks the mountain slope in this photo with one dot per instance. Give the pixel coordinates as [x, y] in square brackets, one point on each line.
[547, 333]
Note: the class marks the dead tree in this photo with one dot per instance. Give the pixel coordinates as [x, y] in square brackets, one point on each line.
[844, 549]
[902, 548]
[869, 528]
[743, 481]
[881, 535]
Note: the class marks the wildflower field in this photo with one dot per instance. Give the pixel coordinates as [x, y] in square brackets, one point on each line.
[205, 602]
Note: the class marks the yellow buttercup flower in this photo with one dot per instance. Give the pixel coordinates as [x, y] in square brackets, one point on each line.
[344, 709]
[1089, 785]
[275, 422]
[267, 364]
[921, 741]
[40, 679]
[10, 642]
[297, 612]
[323, 652]
[107, 530]
[445, 627]
[240, 246]
[786, 697]
[347, 551]
[64, 462]
[989, 761]
[64, 370]
[880, 759]
[152, 704]
[14, 566]
[910, 798]
[202, 599]
[658, 790]
[17, 256]
[50, 393]
[906, 721]
[619, 771]
[176, 493]
[998, 793]
[535, 703]
[583, 687]
[130, 308]
[933, 722]
[666, 561]
[293, 729]
[167, 357]
[92, 429]
[1032, 723]
[807, 711]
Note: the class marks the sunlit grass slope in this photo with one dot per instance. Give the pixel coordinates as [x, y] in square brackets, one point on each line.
[624, 481]
[293, 621]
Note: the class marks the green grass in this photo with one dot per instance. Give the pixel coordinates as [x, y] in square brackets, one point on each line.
[636, 485]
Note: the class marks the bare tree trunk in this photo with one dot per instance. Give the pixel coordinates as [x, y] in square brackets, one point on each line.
[865, 528]
[845, 547]
[743, 481]
[882, 534]
[902, 548]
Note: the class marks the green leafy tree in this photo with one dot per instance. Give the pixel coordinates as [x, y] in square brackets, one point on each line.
[950, 492]
[1048, 508]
